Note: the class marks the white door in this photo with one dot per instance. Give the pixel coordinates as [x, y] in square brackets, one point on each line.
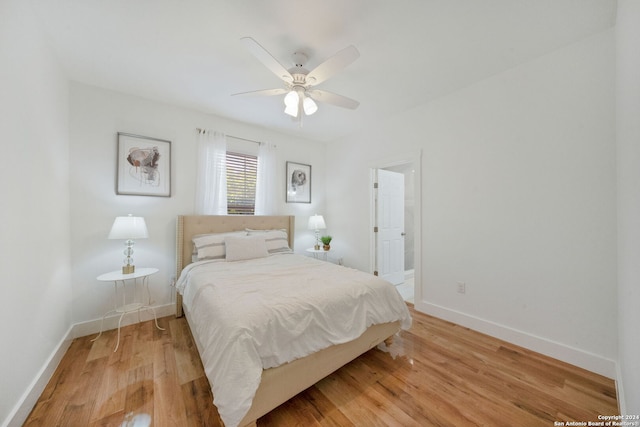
[390, 223]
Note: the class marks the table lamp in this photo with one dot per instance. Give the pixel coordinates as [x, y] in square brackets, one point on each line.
[316, 222]
[129, 228]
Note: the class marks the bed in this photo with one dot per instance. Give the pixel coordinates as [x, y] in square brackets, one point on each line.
[285, 370]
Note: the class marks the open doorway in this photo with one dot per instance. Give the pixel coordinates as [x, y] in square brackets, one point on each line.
[409, 285]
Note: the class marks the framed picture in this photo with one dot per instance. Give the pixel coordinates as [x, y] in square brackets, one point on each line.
[298, 183]
[144, 166]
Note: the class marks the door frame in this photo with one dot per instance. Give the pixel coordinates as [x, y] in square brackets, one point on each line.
[413, 158]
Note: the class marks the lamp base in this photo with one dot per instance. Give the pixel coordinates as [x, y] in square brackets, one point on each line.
[316, 247]
[128, 269]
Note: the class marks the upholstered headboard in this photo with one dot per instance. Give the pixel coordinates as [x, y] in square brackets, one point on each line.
[191, 225]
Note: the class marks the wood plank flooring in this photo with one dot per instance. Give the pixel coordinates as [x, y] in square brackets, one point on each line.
[436, 374]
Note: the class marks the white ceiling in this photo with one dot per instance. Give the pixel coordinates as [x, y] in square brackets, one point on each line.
[189, 53]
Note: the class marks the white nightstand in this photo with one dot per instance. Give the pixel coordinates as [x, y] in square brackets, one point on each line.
[319, 253]
[139, 282]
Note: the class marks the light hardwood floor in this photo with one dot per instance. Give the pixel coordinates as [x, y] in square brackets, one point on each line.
[436, 374]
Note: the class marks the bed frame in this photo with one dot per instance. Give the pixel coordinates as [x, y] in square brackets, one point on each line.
[283, 382]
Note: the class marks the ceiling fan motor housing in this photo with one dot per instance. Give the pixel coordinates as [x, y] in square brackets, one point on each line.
[299, 79]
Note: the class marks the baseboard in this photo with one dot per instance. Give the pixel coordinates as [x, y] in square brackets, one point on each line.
[111, 322]
[28, 400]
[583, 359]
[622, 406]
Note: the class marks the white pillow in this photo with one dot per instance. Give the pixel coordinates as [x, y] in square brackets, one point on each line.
[249, 247]
[277, 241]
[211, 246]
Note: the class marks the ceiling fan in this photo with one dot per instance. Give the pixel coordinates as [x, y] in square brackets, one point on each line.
[299, 91]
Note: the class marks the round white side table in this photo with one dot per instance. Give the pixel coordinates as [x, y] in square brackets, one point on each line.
[139, 281]
[319, 253]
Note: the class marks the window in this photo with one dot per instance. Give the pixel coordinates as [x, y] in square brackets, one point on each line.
[242, 172]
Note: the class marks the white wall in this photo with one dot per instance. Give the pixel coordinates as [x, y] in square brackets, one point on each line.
[628, 134]
[34, 207]
[96, 115]
[518, 201]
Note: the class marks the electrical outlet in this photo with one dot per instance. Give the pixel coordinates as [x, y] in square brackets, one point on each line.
[462, 288]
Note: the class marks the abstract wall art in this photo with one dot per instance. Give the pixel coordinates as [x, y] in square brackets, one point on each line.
[144, 166]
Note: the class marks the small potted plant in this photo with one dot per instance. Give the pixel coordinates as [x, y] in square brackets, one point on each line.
[326, 240]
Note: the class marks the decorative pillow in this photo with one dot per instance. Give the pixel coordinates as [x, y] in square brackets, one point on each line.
[277, 241]
[248, 247]
[211, 246]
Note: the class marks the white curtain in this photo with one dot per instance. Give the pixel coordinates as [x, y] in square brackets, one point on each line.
[266, 181]
[211, 183]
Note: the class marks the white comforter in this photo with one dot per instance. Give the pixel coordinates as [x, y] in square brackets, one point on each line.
[251, 315]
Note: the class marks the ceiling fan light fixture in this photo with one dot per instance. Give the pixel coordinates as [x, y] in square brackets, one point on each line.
[291, 101]
[309, 106]
[293, 112]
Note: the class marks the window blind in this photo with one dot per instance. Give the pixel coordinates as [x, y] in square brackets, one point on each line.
[242, 172]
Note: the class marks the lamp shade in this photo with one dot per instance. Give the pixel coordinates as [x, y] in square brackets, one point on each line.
[129, 227]
[316, 222]
[291, 101]
[309, 105]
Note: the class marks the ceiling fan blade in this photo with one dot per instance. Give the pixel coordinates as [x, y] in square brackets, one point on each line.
[264, 92]
[267, 59]
[333, 99]
[332, 65]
